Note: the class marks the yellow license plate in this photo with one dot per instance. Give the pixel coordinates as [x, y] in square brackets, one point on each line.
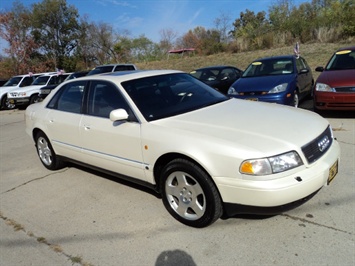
[332, 172]
[12, 101]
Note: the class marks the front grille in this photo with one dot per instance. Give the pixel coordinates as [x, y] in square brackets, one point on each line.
[317, 147]
[252, 93]
[345, 89]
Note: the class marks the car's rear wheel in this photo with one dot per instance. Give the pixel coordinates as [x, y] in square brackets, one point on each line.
[189, 194]
[5, 104]
[46, 153]
[296, 99]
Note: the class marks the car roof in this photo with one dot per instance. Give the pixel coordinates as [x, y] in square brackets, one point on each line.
[55, 74]
[215, 67]
[19, 76]
[346, 48]
[114, 65]
[121, 76]
[33, 74]
[279, 57]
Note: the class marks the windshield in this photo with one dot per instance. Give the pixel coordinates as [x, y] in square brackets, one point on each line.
[342, 60]
[168, 95]
[42, 80]
[269, 67]
[14, 81]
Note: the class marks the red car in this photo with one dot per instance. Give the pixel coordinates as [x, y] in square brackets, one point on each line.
[335, 87]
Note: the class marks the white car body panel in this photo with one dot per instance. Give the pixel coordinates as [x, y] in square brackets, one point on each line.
[218, 137]
[5, 90]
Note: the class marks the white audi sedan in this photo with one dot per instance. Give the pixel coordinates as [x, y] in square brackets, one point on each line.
[206, 154]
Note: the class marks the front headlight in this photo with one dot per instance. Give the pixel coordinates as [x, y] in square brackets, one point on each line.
[279, 88]
[271, 165]
[324, 87]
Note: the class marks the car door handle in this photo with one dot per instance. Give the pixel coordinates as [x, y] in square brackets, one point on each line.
[86, 127]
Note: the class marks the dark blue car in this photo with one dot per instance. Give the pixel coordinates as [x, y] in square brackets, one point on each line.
[280, 79]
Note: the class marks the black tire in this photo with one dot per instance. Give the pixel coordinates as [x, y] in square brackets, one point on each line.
[34, 99]
[46, 153]
[5, 104]
[189, 194]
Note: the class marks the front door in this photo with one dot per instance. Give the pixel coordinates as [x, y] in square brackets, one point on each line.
[112, 145]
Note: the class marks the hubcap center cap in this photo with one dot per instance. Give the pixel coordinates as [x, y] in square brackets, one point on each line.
[185, 195]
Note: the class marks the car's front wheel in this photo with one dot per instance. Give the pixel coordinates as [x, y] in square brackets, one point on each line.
[46, 153]
[34, 99]
[189, 194]
[5, 104]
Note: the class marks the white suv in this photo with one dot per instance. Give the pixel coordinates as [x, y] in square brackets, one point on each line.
[28, 95]
[15, 83]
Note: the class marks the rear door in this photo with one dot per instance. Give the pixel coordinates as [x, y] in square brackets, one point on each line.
[63, 120]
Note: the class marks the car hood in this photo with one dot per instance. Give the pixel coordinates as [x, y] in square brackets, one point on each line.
[28, 88]
[8, 87]
[338, 78]
[263, 83]
[255, 127]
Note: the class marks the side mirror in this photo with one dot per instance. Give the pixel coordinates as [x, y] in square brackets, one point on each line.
[118, 115]
[319, 69]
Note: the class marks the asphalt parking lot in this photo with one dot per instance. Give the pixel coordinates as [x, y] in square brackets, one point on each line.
[79, 217]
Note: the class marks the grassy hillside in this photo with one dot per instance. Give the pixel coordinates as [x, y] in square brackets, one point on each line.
[316, 55]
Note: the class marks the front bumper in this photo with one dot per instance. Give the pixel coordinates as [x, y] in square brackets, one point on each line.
[280, 98]
[281, 191]
[334, 101]
[19, 101]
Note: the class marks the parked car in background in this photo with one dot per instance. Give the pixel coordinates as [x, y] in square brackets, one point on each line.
[112, 68]
[335, 86]
[218, 77]
[280, 79]
[28, 95]
[207, 154]
[44, 91]
[14, 83]
[77, 74]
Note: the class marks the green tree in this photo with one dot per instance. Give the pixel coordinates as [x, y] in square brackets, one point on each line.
[251, 28]
[347, 18]
[15, 28]
[204, 41]
[143, 49]
[56, 29]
